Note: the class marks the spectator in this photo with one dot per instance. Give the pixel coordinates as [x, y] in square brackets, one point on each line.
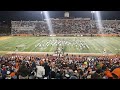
[65, 26]
[116, 73]
[40, 71]
[47, 70]
[62, 68]
[23, 71]
[13, 75]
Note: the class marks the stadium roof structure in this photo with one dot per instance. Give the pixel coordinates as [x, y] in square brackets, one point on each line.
[36, 15]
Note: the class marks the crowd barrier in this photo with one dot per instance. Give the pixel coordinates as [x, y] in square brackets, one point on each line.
[74, 35]
[44, 54]
[107, 35]
[22, 35]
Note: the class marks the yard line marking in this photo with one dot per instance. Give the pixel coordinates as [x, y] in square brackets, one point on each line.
[39, 40]
[23, 42]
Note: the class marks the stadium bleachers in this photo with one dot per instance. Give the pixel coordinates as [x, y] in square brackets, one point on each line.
[65, 26]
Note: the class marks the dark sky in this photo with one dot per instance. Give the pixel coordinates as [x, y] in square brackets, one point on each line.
[35, 15]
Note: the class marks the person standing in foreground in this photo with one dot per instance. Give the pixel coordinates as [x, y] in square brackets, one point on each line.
[40, 71]
[23, 71]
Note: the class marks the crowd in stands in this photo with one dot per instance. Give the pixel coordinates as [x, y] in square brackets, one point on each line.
[52, 67]
[4, 28]
[66, 26]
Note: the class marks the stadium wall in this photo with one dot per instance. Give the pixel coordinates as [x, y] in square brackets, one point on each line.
[72, 35]
[44, 54]
[22, 35]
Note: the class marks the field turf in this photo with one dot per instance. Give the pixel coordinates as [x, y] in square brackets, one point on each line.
[69, 44]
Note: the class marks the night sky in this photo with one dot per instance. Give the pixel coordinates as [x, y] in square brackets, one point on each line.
[35, 15]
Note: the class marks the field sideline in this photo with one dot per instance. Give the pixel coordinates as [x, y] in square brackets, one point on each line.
[71, 44]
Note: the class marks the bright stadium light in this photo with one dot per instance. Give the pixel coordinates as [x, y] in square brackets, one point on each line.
[92, 14]
[47, 17]
[98, 18]
[42, 15]
[92, 11]
[41, 12]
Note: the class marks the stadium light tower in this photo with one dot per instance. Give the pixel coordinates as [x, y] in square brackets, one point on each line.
[92, 14]
[41, 14]
[48, 21]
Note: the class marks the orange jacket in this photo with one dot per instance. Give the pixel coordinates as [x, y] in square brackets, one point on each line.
[116, 72]
[108, 73]
[12, 74]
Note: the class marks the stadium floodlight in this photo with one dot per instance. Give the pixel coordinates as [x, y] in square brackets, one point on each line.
[41, 12]
[98, 18]
[93, 12]
[47, 17]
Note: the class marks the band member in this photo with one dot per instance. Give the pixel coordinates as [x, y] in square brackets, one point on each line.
[16, 49]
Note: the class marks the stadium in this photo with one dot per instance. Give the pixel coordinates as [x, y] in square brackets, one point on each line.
[60, 48]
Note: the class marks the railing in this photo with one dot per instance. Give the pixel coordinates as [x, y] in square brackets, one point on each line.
[76, 35]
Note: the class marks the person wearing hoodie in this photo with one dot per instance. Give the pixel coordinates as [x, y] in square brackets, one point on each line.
[23, 71]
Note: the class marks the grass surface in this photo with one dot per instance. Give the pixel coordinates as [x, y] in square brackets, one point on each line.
[73, 44]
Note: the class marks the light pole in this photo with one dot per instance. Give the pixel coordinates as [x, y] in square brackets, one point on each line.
[92, 12]
[92, 15]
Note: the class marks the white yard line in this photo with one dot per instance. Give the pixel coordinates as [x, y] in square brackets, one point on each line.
[26, 45]
[39, 40]
[111, 45]
[105, 45]
[93, 45]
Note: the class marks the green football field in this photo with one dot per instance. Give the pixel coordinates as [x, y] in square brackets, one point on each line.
[69, 44]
